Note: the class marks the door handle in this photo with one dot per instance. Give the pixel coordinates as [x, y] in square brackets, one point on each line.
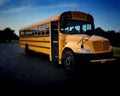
[55, 41]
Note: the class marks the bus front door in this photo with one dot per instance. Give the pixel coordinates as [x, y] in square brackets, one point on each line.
[54, 40]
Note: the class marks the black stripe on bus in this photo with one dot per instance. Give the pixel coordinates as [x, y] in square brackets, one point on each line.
[36, 46]
[39, 46]
[35, 36]
[35, 41]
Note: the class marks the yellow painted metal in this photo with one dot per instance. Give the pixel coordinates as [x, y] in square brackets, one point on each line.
[73, 42]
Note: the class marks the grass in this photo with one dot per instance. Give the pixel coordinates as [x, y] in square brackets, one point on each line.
[11, 43]
[116, 52]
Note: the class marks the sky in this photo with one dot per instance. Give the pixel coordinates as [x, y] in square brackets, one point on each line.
[19, 13]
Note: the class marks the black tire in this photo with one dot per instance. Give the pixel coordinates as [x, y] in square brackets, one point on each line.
[69, 62]
[27, 51]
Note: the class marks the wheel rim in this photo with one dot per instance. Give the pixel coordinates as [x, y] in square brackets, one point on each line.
[68, 61]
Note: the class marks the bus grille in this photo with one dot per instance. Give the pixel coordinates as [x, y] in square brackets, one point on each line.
[101, 45]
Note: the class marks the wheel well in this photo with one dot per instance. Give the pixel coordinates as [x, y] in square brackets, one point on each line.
[66, 49]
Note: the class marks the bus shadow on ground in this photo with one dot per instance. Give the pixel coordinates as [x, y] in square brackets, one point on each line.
[37, 55]
[96, 72]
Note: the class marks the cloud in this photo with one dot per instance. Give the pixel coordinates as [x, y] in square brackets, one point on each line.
[67, 5]
[62, 5]
[35, 7]
[2, 2]
[16, 10]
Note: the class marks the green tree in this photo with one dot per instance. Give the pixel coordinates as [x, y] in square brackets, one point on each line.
[111, 35]
[99, 31]
[7, 35]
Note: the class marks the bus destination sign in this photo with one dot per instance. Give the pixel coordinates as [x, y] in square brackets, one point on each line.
[79, 15]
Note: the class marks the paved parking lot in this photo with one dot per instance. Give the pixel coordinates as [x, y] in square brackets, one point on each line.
[34, 74]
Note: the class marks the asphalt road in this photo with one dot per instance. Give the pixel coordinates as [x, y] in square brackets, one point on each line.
[34, 74]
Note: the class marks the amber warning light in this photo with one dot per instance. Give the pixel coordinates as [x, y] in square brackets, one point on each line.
[79, 15]
[68, 15]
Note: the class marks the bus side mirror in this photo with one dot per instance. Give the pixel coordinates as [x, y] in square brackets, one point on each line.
[89, 32]
[63, 23]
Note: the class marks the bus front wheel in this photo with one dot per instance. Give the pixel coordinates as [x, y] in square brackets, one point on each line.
[69, 61]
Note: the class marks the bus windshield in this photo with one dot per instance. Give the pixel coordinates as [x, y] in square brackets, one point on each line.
[76, 27]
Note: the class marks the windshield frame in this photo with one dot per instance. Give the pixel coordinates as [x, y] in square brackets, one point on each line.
[64, 24]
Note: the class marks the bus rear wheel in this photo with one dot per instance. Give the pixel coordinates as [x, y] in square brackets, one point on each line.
[69, 62]
[27, 51]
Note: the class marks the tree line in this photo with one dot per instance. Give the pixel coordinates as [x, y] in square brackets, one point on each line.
[114, 37]
[8, 35]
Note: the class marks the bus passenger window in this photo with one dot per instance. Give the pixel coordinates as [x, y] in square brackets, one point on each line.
[43, 29]
[47, 29]
[39, 29]
[35, 31]
[22, 33]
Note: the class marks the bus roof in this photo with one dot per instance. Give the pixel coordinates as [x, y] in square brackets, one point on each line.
[54, 18]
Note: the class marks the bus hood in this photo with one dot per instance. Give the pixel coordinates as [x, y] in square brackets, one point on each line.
[95, 43]
[78, 38]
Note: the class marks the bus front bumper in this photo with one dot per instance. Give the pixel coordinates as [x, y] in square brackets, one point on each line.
[103, 60]
[96, 58]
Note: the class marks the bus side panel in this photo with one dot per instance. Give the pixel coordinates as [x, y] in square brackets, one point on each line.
[41, 50]
[38, 44]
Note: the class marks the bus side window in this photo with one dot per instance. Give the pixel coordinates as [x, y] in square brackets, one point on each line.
[31, 32]
[43, 29]
[38, 29]
[22, 33]
[47, 29]
[35, 31]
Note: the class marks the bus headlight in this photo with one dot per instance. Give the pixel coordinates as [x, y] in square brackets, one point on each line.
[84, 51]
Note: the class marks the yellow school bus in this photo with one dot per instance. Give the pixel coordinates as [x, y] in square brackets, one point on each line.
[68, 38]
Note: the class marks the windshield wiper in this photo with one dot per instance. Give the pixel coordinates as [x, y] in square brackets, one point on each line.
[89, 34]
[83, 40]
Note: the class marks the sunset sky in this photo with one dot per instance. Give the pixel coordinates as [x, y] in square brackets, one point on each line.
[18, 13]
